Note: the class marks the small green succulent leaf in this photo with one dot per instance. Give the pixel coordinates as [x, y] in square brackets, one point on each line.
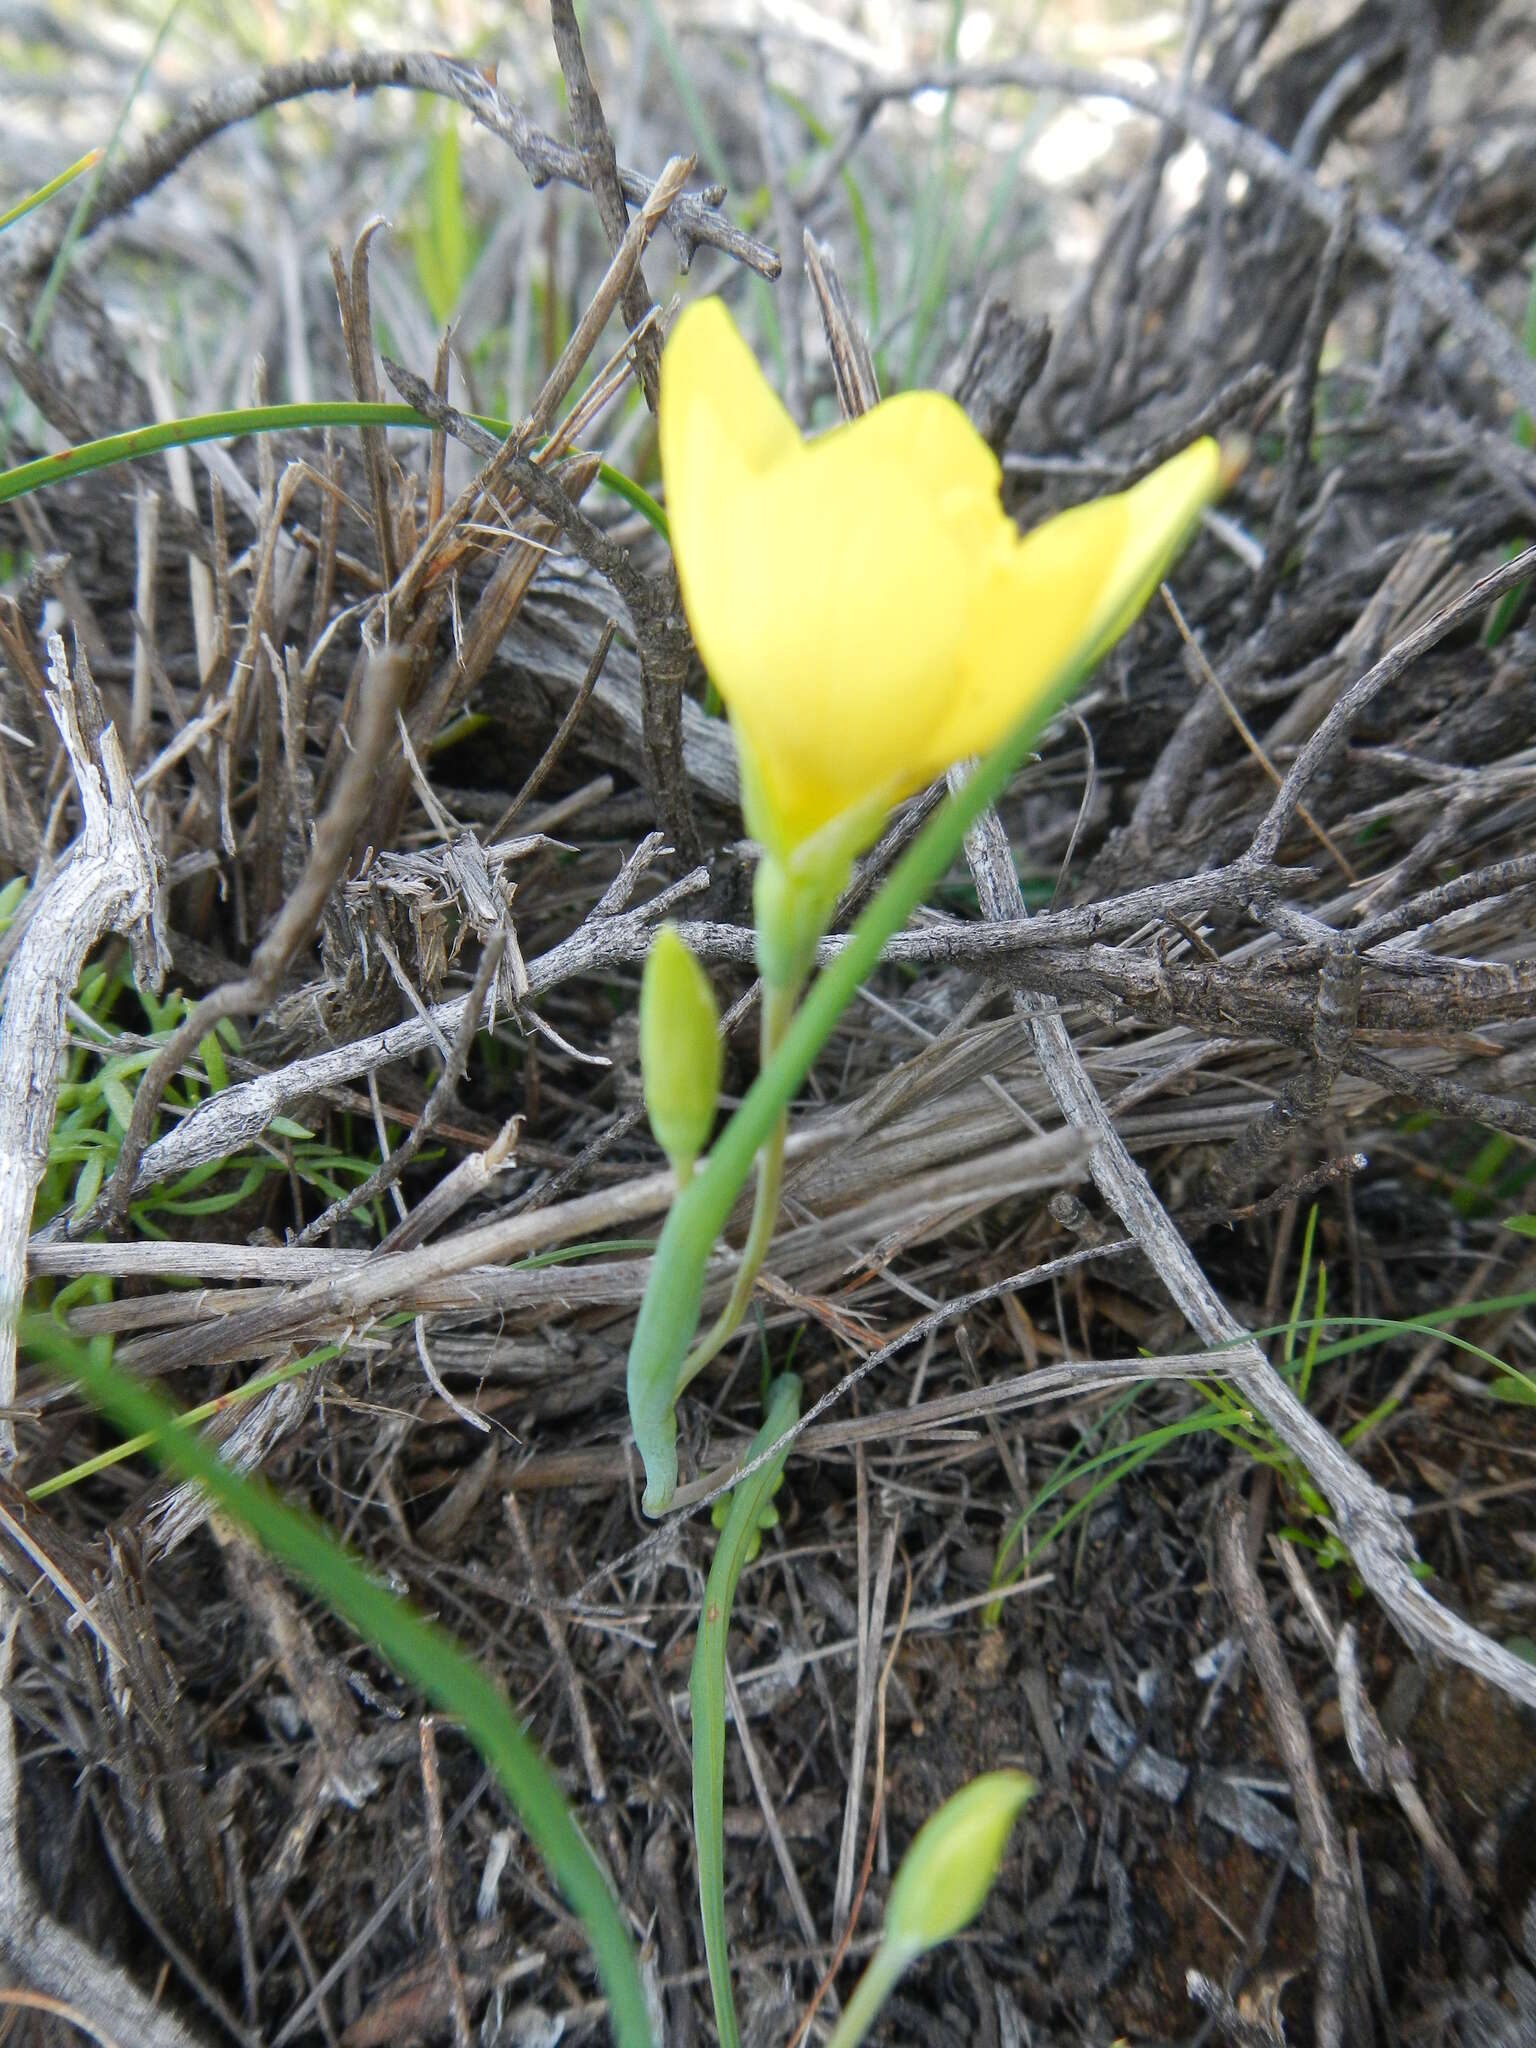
[767, 1518]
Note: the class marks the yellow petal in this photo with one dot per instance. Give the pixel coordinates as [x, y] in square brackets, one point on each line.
[721, 426]
[1163, 511]
[1064, 594]
[709, 374]
[863, 603]
[835, 614]
[945, 460]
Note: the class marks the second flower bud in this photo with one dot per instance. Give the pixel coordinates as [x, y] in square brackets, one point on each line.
[681, 1054]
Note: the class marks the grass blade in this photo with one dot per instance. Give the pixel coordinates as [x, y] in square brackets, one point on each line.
[138, 442]
[418, 1649]
[44, 193]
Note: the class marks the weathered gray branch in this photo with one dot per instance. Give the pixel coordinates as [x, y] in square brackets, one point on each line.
[694, 218]
[109, 882]
[1367, 1519]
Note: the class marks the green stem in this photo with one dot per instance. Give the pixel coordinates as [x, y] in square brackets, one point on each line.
[869, 1994]
[268, 419]
[778, 1008]
[707, 1695]
[669, 1314]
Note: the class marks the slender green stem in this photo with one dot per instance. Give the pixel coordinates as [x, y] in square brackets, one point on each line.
[765, 1213]
[738, 1540]
[869, 1994]
[778, 1008]
[268, 419]
[669, 1314]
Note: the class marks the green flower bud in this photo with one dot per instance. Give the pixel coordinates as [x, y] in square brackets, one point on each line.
[680, 1050]
[955, 1856]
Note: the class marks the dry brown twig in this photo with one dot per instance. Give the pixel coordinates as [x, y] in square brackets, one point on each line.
[661, 633]
[37, 1950]
[110, 882]
[1380, 1762]
[1231, 142]
[442, 1915]
[1162, 954]
[1367, 1518]
[601, 165]
[237, 1115]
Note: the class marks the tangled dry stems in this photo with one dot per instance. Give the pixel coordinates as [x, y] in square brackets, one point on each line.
[1210, 1015]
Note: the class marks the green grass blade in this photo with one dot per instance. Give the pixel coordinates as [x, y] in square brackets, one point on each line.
[1314, 1335]
[1298, 1300]
[418, 1649]
[138, 442]
[443, 247]
[189, 1418]
[44, 193]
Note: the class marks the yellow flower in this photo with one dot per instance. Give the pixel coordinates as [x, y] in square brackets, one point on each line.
[868, 611]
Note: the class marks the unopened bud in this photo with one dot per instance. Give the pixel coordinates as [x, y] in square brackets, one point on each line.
[680, 1050]
[955, 1856]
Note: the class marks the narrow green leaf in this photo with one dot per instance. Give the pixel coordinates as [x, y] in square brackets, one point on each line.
[269, 419]
[419, 1649]
[46, 192]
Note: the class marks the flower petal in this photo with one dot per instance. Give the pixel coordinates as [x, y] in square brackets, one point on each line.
[1164, 509]
[1064, 594]
[863, 603]
[721, 426]
[836, 626]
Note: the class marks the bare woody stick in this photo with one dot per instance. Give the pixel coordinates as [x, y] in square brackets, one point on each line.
[694, 219]
[1337, 1990]
[623, 282]
[110, 882]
